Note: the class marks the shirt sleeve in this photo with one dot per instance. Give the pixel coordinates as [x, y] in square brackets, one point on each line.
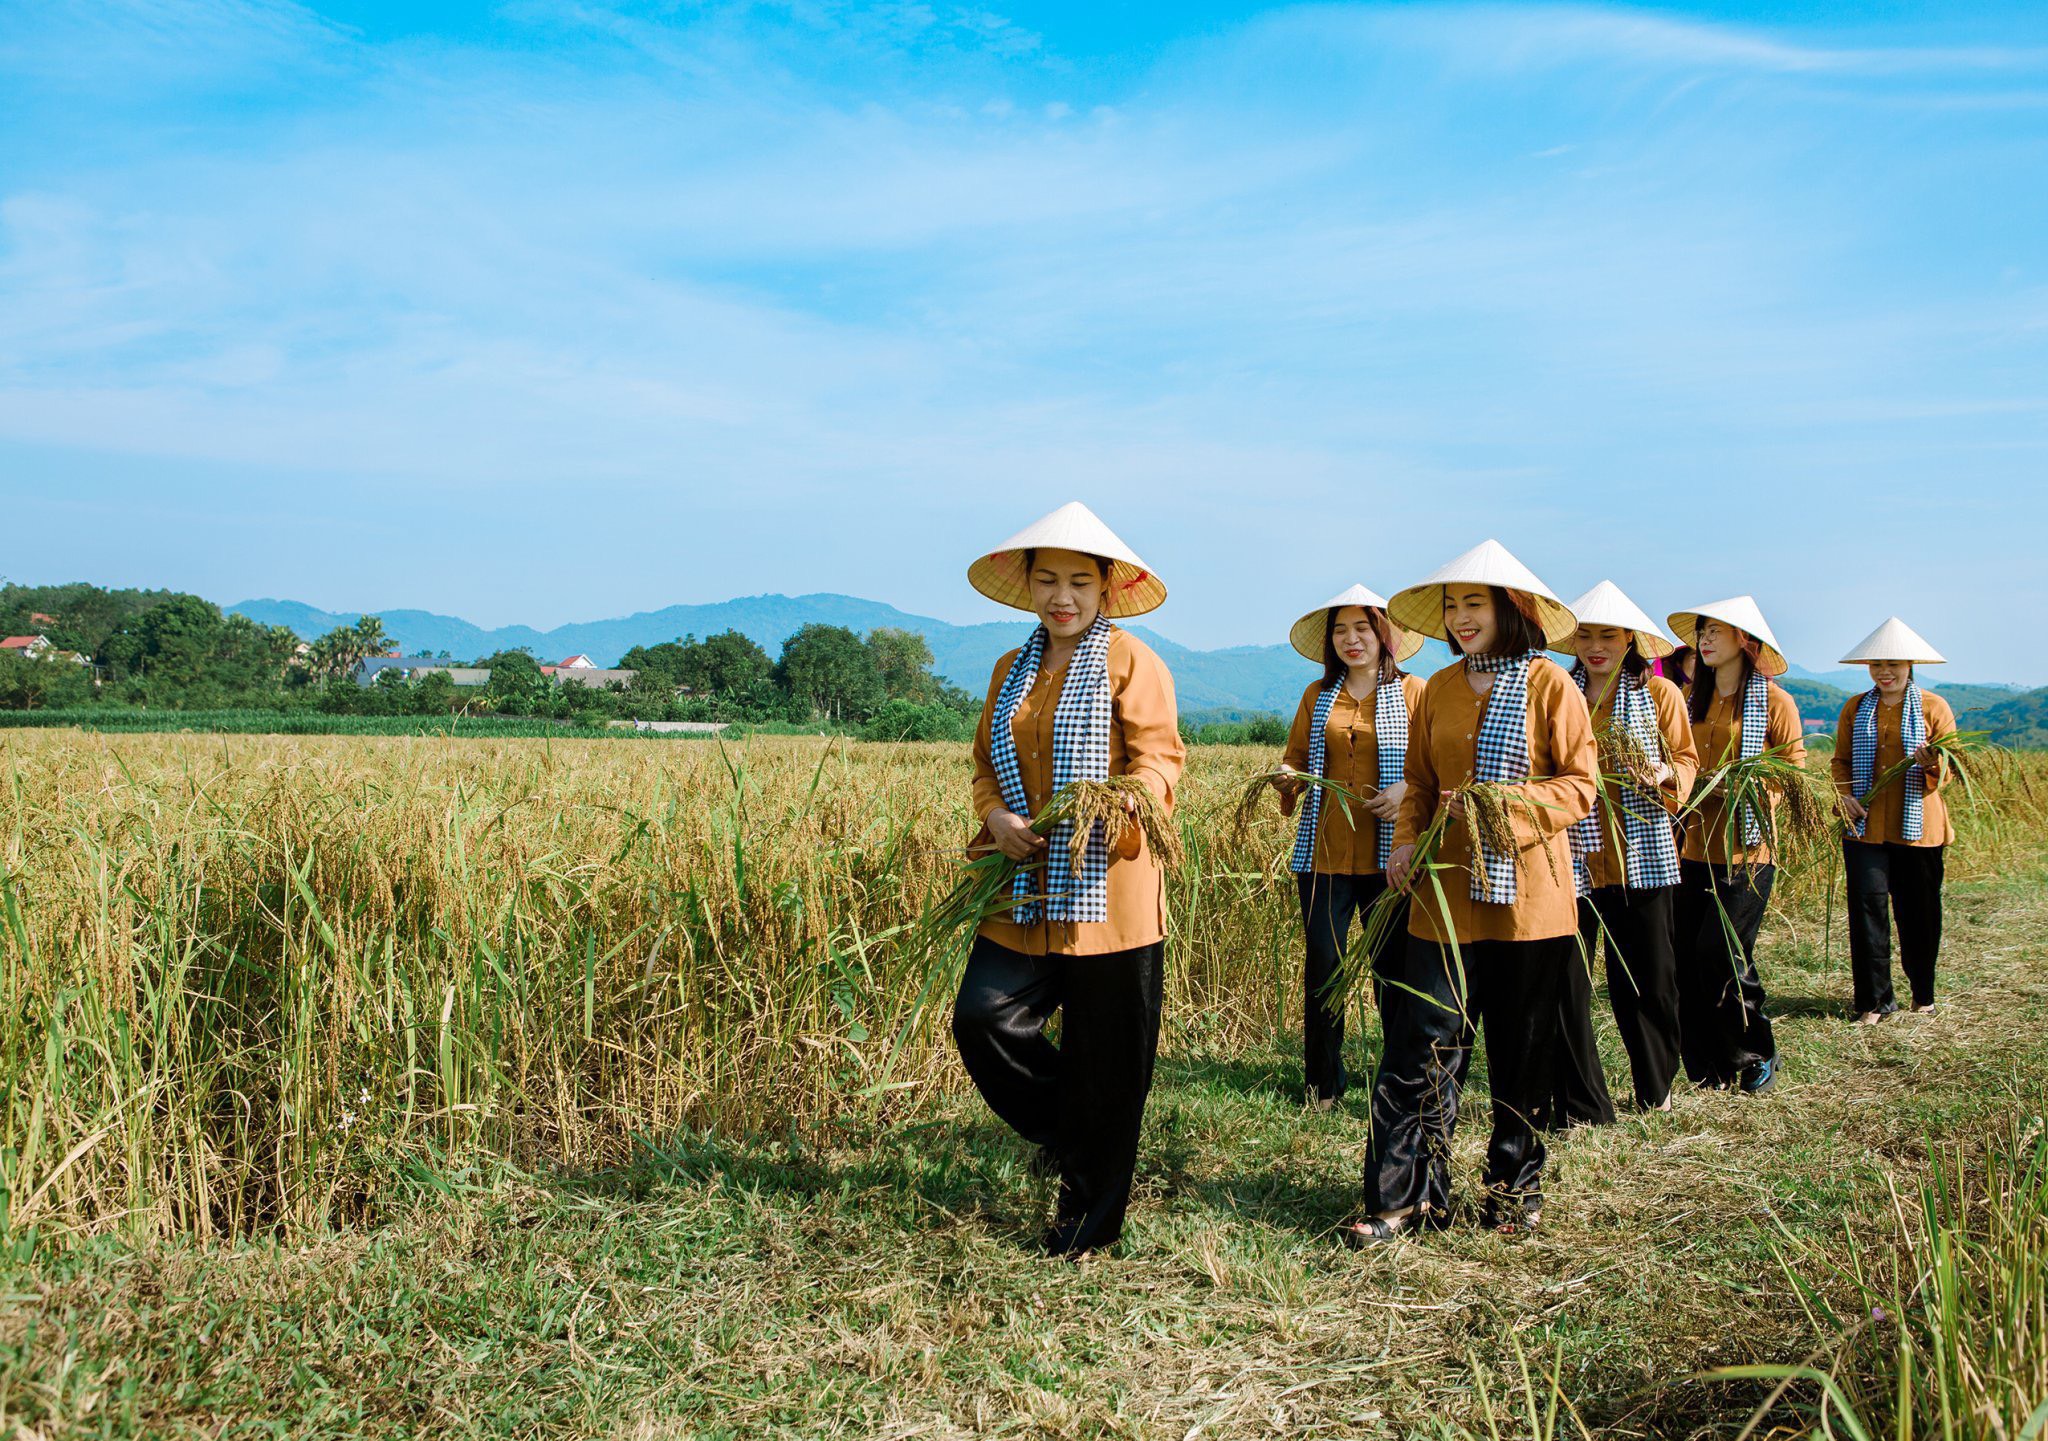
[1296, 754]
[1150, 720]
[1782, 726]
[1941, 721]
[1418, 807]
[988, 791]
[1681, 749]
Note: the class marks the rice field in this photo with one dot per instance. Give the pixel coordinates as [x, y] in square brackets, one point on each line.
[351, 999]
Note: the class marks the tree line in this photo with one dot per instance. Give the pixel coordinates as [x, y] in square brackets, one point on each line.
[172, 651]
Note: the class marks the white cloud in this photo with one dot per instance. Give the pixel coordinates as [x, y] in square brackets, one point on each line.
[1298, 285]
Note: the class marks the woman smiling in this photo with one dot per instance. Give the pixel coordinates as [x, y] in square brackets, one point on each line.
[1080, 700]
[1627, 859]
[1351, 728]
[1491, 932]
[1727, 868]
[1897, 835]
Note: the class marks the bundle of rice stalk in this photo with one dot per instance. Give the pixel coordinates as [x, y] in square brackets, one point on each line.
[1793, 806]
[1489, 813]
[1121, 805]
[1290, 782]
[946, 930]
[1953, 747]
[1624, 759]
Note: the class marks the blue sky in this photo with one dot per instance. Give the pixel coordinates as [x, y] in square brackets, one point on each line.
[549, 311]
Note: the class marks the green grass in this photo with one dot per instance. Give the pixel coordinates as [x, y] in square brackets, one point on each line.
[878, 1281]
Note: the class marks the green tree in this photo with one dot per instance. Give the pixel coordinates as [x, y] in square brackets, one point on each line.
[42, 684]
[517, 686]
[726, 664]
[337, 654]
[906, 720]
[828, 671]
[434, 694]
[904, 661]
[165, 654]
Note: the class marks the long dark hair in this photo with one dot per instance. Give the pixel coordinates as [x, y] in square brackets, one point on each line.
[1703, 676]
[1383, 628]
[1680, 666]
[1515, 628]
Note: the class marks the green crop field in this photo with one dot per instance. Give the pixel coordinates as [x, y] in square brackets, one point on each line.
[374, 1085]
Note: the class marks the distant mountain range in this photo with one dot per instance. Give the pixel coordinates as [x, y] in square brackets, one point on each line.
[1240, 678]
[1266, 677]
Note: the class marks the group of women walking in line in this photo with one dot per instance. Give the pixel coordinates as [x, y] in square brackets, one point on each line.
[1497, 948]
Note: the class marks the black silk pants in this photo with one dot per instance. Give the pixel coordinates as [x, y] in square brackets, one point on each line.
[1509, 989]
[1329, 904]
[1642, 986]
[1908, 878]
[1083, 1099]
[1722, 1026]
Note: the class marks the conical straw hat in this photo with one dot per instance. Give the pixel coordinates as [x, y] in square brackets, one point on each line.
[1420, 608]
[1308, 632]
[1607, 604]
[1132, 590]
[1894, 640]
[1741, 612]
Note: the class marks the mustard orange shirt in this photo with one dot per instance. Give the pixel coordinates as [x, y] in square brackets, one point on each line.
[1608, 866]
[1144, 741]
[1443, 742]
[1718, 738]
[1347, 844]
[1887, 822]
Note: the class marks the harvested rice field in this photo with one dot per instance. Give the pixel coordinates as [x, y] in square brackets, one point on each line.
[414, 1087]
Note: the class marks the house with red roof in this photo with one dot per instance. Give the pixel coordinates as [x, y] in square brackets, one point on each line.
[31, 646]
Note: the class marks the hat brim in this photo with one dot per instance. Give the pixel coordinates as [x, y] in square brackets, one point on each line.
[1770, 660]
[1420, 610]
[1307, 638]
[1131, 590]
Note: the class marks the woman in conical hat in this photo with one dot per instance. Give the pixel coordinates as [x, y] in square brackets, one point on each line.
[1080, 700]
[1897, 835]
[1351, 728]
[1726, 868]
[1489, 932]
[1626, 859]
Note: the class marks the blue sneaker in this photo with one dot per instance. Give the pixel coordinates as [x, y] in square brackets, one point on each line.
[1759, 1076]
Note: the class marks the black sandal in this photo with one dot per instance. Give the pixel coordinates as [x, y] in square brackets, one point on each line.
[1372, 1231]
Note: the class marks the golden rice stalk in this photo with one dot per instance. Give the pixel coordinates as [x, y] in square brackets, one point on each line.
[1953, 747]
[1490, 815]
[1120, 804]
[1624, 758]
[1247, 808]
[1792, 804]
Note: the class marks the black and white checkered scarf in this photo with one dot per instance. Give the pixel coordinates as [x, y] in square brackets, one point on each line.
[1390, 732]
[1756, 719]
[1501, 756]
[1652, 858]
[1863, 755]
[1080, 751]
